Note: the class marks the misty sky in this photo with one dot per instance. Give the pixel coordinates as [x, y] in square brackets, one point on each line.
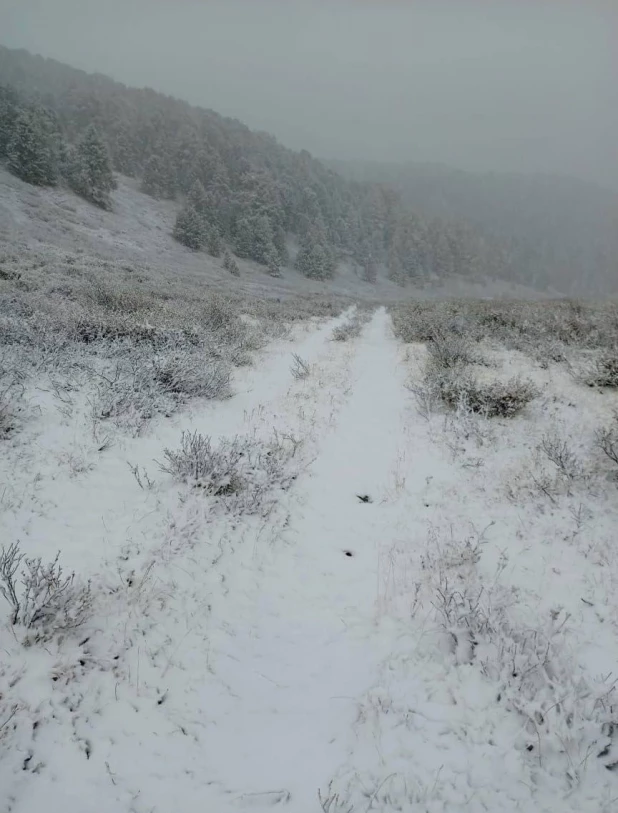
[526, 85]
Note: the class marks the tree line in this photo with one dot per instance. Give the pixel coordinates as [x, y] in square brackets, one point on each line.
[238, 190]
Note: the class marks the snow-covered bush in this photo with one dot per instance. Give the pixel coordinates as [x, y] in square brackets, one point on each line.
[530, 665]
[47, 601]
[603, 372]
[419, 322]
[607, 440]
[558, 452]
[450, 350]
[351, 328]
[11, 395]
[241, 471]
[300, 368]
[348, 330]
[187, 374]
[130, 396]
[7, 412]
[493, 399]
[140, 386]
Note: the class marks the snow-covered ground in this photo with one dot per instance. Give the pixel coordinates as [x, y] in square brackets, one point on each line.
[416, 618]
[44, 225]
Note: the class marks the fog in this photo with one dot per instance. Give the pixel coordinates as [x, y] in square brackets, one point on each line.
[527, 85]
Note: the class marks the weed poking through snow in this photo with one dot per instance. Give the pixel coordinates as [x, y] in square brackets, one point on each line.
[300, 369]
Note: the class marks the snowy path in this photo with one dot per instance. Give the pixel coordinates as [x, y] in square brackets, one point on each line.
[54, 509]
[249, 662]
[312, 649]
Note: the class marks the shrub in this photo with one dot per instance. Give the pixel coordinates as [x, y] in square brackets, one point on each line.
[6, 413]
[494, 399]
[48, 602]
[351, 329]
[560, 454]
[140, 387]
[11, 392]
[131, 397]
[184, 374]
[604, 371]
[241, 472]
[449, 350]
[300, 369]
[607, 441]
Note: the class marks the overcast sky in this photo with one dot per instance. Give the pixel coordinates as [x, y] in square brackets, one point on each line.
[526, 85]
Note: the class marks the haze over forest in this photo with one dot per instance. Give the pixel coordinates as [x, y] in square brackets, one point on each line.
[444, 142]
[504, 86]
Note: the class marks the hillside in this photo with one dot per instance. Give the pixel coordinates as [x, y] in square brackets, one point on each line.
[560, 231]
[236, 188]
[51, 229]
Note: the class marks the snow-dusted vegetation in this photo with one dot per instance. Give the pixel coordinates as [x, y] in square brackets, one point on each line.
[279, 527]
[252, 577]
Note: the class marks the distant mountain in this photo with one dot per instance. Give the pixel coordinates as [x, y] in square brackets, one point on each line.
[240, 191]
[559, 230]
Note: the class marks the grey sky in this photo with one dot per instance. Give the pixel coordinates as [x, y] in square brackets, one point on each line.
[480, 84]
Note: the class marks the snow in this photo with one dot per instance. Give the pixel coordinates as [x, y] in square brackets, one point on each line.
[44, 225]
[240, 661]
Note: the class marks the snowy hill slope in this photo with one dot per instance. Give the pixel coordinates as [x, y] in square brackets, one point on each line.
[39, 224]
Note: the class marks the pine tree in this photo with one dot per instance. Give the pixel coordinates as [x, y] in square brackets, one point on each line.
[91, 173]
[315, 259]
[280, 244]
[395, 269]
[214, 242]
[243, 238]
[230, 264]
[272, 262]
[262, 243]
[65, 160]
[370, 270]
[9, 112]
[157, 180]
[31, 150]
[123, 148]
[197, 198]
[189, 228]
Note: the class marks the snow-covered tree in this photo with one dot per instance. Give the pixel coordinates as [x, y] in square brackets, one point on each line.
[315, 260]
[243, 238]
[214, 243]
[31, 152]
[370, 270]
[280, 244]
[91, 173]
[189, 228]
[272, 262]
[262, 239]
[230, 264]
[9, 111]
[158, 180]
[197, 198]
